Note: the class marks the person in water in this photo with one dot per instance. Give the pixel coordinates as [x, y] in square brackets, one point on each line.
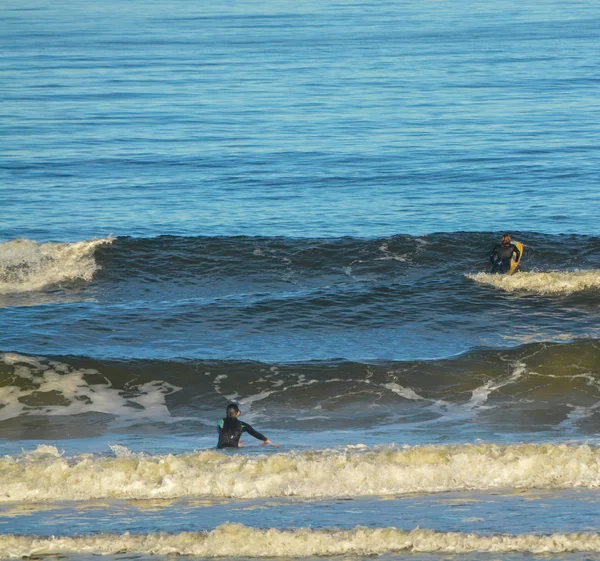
[501, 255]
[231, 428]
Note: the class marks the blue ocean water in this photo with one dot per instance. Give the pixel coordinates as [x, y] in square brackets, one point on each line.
[291, 205]
[305, 119]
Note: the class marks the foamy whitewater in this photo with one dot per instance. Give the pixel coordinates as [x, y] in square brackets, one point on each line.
[45, 474]
[27, 266]
[551, 282]
[292, 206]
[234, 540]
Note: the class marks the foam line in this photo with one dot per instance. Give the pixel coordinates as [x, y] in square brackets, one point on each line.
[552, 283]
[46, 474]
[235, 540]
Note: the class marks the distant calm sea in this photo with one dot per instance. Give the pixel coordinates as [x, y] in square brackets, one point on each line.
[291, 205]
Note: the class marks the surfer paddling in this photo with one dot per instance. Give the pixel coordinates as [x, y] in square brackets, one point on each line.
[231, 428]
[502, 255]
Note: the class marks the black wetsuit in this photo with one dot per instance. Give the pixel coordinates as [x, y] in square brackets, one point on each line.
[230, 432]
[501, 257]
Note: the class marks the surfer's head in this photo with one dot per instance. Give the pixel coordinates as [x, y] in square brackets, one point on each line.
[232, 410]
[505, 239]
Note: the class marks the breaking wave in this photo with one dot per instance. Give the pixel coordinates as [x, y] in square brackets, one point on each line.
[27, 265]
[550, 283]
[236, 540]
[537, 386]
[45, 474]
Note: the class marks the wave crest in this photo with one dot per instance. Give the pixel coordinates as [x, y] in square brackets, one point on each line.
[236, 540]
[553, 282]
[355, 471]
[26, 265]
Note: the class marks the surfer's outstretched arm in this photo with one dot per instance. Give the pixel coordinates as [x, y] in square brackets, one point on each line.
[247, 428]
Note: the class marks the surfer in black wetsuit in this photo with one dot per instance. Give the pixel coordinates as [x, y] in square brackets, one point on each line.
[501, 255]
[231, 428]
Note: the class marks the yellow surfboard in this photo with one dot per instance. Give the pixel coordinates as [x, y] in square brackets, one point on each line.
[514, 263]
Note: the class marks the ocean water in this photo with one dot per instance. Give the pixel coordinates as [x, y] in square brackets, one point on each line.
[291, 205]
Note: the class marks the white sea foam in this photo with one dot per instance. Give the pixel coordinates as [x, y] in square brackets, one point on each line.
[553, 282]
[51, 388]
[236, 540]
[316, 474]
[390, 255]
[406, 393]
[448, 410]
[480, 395]
[26, 265]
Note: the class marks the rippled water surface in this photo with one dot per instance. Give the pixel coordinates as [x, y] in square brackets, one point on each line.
[291, 205]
